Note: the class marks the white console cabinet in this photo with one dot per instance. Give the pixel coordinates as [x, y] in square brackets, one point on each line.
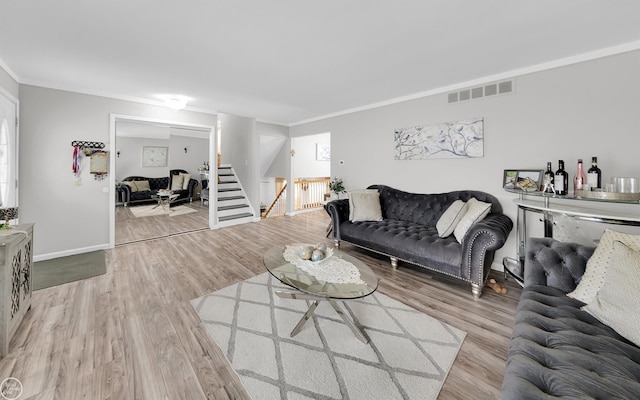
[553, 205]
[16, 258]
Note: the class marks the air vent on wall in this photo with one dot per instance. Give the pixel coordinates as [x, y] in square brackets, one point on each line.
[491, 89]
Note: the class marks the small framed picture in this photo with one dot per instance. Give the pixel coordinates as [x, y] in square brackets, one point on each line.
[529, 180]
[509, 178]
[323, 152]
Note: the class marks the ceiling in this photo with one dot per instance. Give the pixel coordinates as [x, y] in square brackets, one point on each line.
[288, 61]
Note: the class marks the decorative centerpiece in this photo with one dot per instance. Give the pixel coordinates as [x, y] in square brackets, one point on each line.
[6, 215]
[317, 253]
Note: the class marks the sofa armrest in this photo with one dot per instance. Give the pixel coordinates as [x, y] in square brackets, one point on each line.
[193, 184]
[339, 212]
[557, 264]
[125, 193]
[480, 243]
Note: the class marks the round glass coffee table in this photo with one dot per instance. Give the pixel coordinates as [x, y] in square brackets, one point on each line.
[310, 287]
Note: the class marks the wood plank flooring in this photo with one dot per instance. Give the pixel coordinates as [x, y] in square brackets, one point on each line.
[132, 334]
[131, 229]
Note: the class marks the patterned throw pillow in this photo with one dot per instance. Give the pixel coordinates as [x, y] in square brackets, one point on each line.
[617, 303]
[476, 211]
[450, 218]
[597, 265]
[364, 205]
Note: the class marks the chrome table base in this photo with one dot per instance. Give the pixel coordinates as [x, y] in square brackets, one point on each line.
[357, 331]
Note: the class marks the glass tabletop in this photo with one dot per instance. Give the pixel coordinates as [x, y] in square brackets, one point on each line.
[291, 275]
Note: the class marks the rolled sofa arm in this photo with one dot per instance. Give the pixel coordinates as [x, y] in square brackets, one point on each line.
[193, 184]
[480, 243]
[339, 212]
[557, 264]
[125, 191]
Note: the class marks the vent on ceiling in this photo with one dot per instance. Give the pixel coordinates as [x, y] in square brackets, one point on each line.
[491, 89]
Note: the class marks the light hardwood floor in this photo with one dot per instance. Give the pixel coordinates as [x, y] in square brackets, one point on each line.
[132, 334]
[131, 229]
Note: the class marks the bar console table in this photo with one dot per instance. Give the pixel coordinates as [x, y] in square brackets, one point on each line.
[549, 205]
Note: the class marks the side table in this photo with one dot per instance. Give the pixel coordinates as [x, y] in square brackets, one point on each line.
[16, 258]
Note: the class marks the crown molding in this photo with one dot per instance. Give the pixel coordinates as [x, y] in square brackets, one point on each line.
[562, 62]
[9, 71]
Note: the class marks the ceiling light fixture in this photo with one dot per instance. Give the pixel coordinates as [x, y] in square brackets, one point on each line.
[175, 102]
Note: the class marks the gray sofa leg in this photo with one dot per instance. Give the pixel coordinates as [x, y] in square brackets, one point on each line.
[476, 290]
[394, 262]
[336, 242]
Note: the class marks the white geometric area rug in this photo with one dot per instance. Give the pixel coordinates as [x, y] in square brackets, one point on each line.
[408, 357]
[154, 210]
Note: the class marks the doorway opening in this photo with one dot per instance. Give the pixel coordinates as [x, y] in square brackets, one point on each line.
[158, 153]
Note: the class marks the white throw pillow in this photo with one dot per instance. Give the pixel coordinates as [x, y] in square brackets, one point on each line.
[176, 182]
[476, 211]
[450, 218]
[597, 265]
[617, 303]
[364, 205]
[185, 180]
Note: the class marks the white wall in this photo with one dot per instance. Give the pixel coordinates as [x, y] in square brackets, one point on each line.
[129, 163]
[70, 218]
[197, 153]
[304, 162]
[240, 149]
[274, 158]
[578, 111]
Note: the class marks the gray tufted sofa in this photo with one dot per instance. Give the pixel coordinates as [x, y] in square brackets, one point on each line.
[408, 233]
[558, 350]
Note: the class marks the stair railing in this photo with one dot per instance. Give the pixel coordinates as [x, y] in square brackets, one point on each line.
[279, 204]
[309, 193]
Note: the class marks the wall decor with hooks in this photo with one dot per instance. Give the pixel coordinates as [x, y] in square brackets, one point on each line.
[85, 144]
[99, 159]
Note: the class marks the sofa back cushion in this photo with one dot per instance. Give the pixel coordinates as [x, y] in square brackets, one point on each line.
[154, 183]
[425, 209]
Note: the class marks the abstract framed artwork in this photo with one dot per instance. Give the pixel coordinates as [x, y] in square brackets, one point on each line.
[323, 152]
[154, 156]
[459, 139]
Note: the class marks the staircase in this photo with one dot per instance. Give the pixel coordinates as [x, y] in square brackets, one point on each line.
[232, 205]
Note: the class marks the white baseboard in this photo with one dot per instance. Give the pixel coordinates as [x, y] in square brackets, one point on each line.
[497, 267]
[71, 252]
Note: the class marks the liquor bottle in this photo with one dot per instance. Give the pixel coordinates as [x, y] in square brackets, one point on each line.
[594, 175]
[548, 179]
[579, 180]
[561, 179]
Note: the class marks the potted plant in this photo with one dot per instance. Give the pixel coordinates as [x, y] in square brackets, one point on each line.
[336, 186]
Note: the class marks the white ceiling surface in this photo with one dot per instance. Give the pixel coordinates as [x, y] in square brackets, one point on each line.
[293, 60]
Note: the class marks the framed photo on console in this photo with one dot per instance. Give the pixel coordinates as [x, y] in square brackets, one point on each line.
[509, 178]
[529, 180]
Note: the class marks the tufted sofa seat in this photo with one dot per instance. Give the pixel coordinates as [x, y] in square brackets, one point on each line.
[558, 350]
[408, 233]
